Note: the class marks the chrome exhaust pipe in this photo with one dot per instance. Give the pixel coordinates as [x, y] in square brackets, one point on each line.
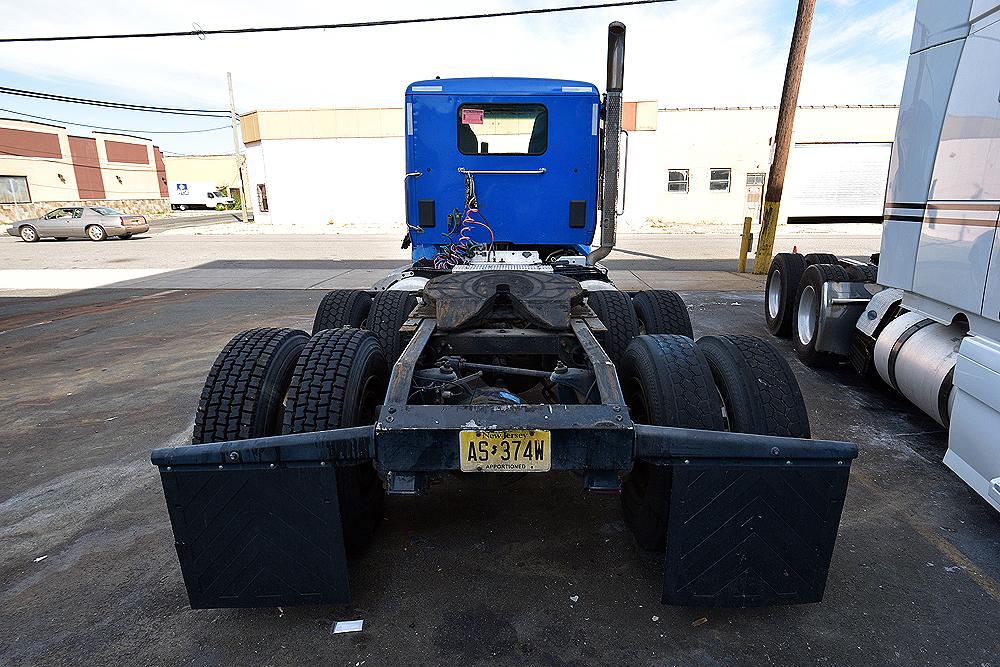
[612, 131]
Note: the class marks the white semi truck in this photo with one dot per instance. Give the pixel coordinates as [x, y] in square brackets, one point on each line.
[929, 323]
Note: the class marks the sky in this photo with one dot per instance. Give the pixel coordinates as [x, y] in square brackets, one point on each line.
[681, 54]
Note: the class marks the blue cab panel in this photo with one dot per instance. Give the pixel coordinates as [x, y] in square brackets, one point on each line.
[503, 124]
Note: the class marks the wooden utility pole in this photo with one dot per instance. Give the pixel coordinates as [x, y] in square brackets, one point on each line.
[783, 135]
[240, 168]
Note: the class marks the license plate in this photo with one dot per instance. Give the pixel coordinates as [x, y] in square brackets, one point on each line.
[505, 451]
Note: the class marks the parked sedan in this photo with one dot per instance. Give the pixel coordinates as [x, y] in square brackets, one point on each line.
[85, 222]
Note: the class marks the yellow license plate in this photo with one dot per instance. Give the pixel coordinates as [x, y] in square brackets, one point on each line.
[505, 451]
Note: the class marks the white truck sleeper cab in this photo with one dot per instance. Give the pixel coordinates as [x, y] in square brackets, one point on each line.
[933, 331]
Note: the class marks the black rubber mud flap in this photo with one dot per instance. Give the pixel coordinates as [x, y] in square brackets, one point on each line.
[255, 537]
[752, 532]
[257, 522]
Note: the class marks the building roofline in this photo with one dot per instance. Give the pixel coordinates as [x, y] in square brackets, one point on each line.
[390, 108]
[722, 108]
[122, 134]
[225, 155]
[32, 122]
[774, 108]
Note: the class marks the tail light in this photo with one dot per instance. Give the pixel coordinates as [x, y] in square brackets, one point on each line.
[121, 221]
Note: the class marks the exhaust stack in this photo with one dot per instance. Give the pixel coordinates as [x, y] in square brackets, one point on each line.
[612, 131]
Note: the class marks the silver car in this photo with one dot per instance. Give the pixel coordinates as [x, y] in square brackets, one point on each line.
[84, 222]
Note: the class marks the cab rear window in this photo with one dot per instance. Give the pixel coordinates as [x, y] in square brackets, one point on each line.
[502, 129]
[106, 211]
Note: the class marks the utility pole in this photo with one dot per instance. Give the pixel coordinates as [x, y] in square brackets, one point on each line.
[783, 135]
[240, 167]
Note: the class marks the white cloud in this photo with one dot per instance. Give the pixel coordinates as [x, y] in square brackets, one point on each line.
[690, 53]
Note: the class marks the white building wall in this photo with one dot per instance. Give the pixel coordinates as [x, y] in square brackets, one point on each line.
[353, 184]
[700, 140]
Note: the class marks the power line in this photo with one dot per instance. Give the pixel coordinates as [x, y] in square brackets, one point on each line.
[333, 26]
[204, 113]
[114, 129]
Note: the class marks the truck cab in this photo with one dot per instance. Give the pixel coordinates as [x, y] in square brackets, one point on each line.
[529, 149]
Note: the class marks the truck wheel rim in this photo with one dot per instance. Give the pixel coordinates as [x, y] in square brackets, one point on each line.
[806, 321]
[774, 294]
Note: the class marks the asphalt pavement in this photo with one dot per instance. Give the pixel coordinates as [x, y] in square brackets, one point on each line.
[535, 573]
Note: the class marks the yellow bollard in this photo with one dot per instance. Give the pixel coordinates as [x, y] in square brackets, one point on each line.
[746, 240]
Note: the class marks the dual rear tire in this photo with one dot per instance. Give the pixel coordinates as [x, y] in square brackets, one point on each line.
[271, 381]
[782, 285]
[648, 312]
[342, 308]
[805, 317]
[735, 383]
[383, 315]
[793, 298]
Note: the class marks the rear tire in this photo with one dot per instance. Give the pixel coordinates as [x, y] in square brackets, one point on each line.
[662, 312]
[758, 389]
[865, 273]
[667, 382]
[820, 258]
[782, 285]
[96, 233]
[615, 311]
[805, 319]
[244, 392]
[28, 234]
[340, 380]
[389, 311]
[342, 308]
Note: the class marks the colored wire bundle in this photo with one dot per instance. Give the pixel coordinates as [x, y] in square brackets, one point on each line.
[461, 251]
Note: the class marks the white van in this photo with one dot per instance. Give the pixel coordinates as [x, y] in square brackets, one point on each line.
[197, 194]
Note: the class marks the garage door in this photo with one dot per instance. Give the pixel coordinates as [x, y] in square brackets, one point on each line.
[836, 180]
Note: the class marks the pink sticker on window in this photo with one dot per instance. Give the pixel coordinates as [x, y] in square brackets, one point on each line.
[472, 116]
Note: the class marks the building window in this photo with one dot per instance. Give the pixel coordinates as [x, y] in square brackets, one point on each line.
[502, 129]
[755, 179]
[14, 190]
[262, 197]
[718, 180]
[677, 180]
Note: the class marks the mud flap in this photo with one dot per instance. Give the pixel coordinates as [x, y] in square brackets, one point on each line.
[257, 522]
[754, 528]
[751, 533]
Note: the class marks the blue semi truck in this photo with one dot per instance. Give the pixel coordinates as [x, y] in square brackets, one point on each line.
[504, 349]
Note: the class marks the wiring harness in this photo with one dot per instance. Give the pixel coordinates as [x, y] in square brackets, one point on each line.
[462, 250]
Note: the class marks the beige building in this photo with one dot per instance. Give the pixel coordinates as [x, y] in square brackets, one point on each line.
[708, 165]
[221, 170]
[44, 167]
[344, 167]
